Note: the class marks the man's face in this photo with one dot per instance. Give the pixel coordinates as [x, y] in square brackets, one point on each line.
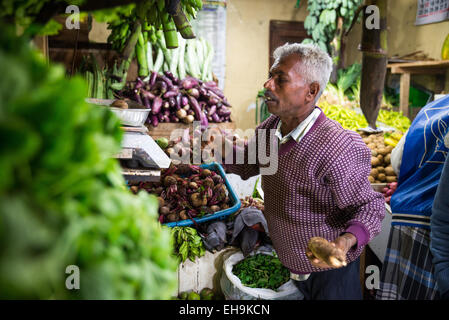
[287, 92]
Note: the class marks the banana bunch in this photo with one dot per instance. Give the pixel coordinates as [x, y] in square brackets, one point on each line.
[120, 32]
[170, 16]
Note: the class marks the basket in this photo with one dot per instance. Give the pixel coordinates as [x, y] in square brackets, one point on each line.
[219, 215]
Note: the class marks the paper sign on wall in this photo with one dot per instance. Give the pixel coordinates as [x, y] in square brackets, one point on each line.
[430, 11]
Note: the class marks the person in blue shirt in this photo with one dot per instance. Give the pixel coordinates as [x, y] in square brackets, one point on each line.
[439, 231]
[408, 271]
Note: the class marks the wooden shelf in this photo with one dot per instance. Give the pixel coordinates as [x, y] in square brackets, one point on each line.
[419, 67]
[406, 69]
[165, 129]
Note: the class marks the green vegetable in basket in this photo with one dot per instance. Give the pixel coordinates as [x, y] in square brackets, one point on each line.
[261, 271]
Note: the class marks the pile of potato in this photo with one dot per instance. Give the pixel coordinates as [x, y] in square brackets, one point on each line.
[381, 169]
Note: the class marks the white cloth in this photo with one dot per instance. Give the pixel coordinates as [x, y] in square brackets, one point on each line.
[300, 131]
[396, 153]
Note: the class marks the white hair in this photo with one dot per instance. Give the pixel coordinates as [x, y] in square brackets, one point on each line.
[317, 63]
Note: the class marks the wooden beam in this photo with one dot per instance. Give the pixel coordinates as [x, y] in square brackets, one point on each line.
[404, 93]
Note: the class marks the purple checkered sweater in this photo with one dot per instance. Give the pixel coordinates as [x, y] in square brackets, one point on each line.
[321, 188]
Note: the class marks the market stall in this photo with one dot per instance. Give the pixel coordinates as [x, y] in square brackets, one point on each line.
[108, 166]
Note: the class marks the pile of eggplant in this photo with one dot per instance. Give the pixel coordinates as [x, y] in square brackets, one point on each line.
[173, 100]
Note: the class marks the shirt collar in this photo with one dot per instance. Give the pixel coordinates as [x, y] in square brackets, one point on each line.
[300, 130]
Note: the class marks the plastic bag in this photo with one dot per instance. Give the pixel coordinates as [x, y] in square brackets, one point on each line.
[233, 289]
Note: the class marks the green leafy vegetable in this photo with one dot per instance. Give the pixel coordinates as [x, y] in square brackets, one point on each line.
[63, 199]
[261, 271]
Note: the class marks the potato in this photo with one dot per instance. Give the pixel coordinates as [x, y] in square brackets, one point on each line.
[387, 158]
[380, 169]
[374, 153]
[389, 148]
[375, 162]
[372, 146]
[371, 179]
[374, 173]
[381, 159]
[382, 177]
[383, 151]
[391, 179]
[389, 171]
[376, 181]
[326, 252]
[366, 140]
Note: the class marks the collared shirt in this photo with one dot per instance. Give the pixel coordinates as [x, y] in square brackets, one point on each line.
[300, 131]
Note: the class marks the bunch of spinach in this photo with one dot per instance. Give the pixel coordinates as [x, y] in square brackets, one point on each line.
[63, 200]
[261, 271]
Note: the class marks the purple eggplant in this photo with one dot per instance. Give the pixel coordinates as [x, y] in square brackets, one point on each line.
[146, 101]
[154, 120]
[139, 83]
[172, 102]
[210, 84]
[160, 116]
[184, 101]
[203, 91]
[157, 104]
[189, 82]
[160, 86]
[212, 110]
[213, 100]
[170, 76]
[166, 112]
[166, 80]
[153, 78]
[194, 93]
[171, 93]
[137, 97]
[196, 107]
[216, 118]
[224, 112]
[204, 122]
[174, 118]
[178, 102]
[147, 94]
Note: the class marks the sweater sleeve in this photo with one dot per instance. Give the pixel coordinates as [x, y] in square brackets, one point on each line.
[439, 235]
[362, 208]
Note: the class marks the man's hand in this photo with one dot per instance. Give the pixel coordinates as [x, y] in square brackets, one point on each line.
[324, 254]
[221, 142]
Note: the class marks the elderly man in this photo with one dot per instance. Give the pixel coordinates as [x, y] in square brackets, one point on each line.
[321, 186]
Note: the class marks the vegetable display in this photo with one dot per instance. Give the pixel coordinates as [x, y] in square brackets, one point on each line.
[381, 169]
[173, 100]
[63, 199]
[187, 191]
[188, 244]
[261, 271]
[349, 119]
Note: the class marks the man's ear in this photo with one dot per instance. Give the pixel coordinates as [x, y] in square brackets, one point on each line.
[314, 88]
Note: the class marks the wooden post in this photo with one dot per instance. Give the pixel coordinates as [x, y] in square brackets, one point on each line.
[404, 93]
[374, 63]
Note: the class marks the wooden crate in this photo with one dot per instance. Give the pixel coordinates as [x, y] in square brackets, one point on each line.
[205, 272]
[165, 129]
